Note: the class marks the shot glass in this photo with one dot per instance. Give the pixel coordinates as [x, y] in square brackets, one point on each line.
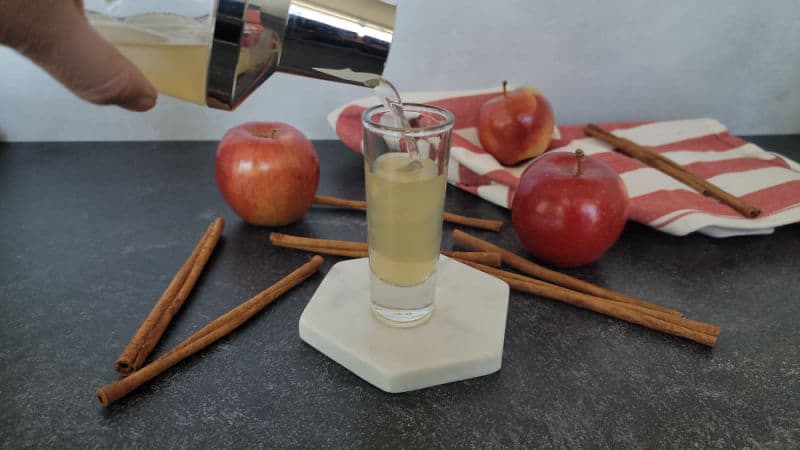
[406, 179]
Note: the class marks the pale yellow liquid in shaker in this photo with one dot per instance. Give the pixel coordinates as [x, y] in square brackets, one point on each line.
[404, 213]
[175, 70]
[171, 51]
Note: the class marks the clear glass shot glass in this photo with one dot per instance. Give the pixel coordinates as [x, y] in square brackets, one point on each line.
[406, 179]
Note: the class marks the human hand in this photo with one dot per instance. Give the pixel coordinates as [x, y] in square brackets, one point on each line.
[56, 36]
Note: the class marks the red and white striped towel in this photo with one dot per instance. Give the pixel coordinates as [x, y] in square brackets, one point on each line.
[766, 180]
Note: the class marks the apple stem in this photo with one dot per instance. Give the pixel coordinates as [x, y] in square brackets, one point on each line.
[272, 133]
[580, 155]
[505, 88]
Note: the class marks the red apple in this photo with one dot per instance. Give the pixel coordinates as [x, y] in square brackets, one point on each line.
[569, 208]
[267, 172]
[516, 125]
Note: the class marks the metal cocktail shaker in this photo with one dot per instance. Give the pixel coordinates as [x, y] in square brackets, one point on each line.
[217, 52]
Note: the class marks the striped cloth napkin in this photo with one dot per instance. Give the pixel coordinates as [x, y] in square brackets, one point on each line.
[764, 179]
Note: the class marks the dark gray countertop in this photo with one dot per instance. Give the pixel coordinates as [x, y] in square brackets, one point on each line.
[93, 232]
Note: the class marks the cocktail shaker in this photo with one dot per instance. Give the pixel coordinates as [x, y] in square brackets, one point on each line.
[217, 52]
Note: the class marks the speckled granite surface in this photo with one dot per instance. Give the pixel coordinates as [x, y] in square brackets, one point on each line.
[92, 233]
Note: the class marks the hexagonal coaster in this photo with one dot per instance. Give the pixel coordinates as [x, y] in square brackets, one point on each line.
[463, 338]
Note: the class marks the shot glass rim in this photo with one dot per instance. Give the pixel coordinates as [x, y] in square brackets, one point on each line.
[415, 131]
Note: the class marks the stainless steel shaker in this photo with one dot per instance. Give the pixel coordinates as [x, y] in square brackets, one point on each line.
[217, 52]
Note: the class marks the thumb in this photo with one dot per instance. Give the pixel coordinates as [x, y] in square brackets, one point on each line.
[76, 55]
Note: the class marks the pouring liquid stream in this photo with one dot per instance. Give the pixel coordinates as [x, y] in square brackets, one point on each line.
[390, 98]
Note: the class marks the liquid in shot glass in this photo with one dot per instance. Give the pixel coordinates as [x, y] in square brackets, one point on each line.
[406, 180]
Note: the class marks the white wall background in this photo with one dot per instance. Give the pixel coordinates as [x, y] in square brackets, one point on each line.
[734, 60]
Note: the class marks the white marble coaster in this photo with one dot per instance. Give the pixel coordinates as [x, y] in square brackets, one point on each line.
[463, 339]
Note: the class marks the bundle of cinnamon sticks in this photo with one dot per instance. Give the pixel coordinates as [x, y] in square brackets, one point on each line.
[562, 287]
[484, 256]
[538, 280]
[131, 363]
[150, 331]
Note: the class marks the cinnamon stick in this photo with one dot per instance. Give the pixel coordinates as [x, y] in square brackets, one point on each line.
[291, 241]
[328, 251]
[352, 249]
[209, 334]
[153, 327]
[341, 202]
[673, 169]
[699, 332]
[555, 292]
[485, 224]
[486, 258]
[561, 279]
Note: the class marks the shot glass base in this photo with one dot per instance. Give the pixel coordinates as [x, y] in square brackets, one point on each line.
[462, 339]
[402, 306]
[402, 318]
